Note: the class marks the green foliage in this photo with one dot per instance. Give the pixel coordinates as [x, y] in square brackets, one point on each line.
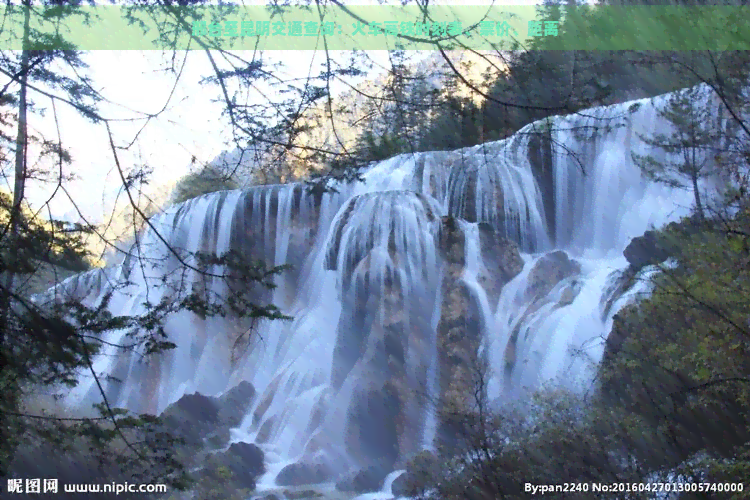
[381, 148]
[207, 180]
[690, 350]
[39, 240]
[458, 123]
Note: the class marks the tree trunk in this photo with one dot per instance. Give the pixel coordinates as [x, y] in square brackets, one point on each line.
[20, 179]
[694, 168]
[698, 203]
[9, 399]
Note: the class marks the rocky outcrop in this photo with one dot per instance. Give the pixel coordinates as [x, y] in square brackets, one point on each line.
[233, 405]
[243, 463]
[458, 331]
[502, 260]
[200, 419]
[550, 270]
[654, 247]
[540, 159]
[621, 283]
[648, 249]
[625, 321]
[204, 424]
[193, 417]
[382, 283]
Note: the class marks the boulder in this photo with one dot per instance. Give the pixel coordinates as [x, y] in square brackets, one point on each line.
[300, 473]
[192, 417]
[244, 460]
[365, 480]
[646, 250]
[246, 457]
[550, 270]
[218, 439]
[400, 486]
[302, 495]
[234, 404]
[195, 407]
[569, 294]
[195, 416]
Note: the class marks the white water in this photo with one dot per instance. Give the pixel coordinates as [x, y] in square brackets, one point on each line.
[368, 273]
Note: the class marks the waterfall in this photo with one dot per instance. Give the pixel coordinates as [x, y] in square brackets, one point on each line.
[385, 272]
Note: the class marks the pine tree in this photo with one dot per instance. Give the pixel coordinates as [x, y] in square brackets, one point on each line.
[689, 147]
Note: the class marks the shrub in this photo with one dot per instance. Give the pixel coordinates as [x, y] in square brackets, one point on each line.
[194, 184]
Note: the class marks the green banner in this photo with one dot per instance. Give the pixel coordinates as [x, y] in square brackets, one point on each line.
[378, 27]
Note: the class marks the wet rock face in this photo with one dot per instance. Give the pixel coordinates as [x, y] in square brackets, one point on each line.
[387, 264]
[234, 404]
[371, 432]
[452, 244]
[459, 328]
[550, 270]
[375, 335]
[621, 283]
[500, 251]
[625, 322]
[540, 158]
[502, 260]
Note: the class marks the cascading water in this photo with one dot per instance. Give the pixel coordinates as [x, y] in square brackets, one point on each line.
[386, 273]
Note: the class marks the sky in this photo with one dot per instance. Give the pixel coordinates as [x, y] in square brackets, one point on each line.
[134, 85]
